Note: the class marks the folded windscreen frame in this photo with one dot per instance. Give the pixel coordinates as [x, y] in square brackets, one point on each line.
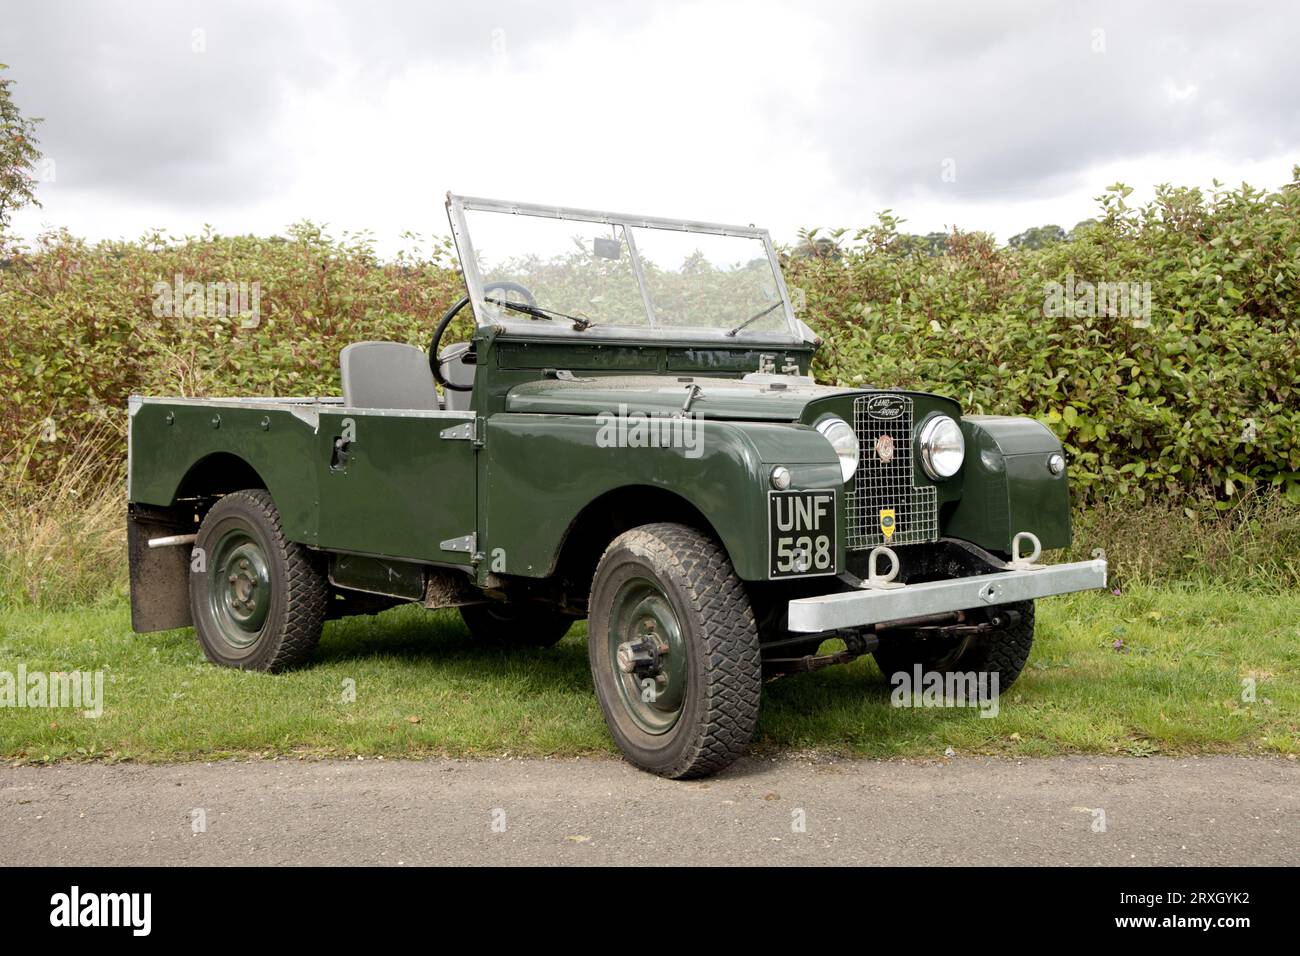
[551, 271]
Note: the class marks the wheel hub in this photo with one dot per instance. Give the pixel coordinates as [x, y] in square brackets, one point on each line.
[239, 587]
[648, 656]
[643, 656]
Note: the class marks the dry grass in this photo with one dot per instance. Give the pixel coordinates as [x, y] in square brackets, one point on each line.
[1253, 546]
[63, 542]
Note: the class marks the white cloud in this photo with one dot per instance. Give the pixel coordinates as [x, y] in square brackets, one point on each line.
[787, 114]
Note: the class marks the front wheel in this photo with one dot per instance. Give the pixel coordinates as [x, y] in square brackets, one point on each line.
[674, 651]
[258, 600]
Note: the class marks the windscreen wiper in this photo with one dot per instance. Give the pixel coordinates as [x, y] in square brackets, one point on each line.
[754, 318]
[537, 312]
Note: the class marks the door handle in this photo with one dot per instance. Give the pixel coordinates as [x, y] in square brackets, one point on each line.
[339, 454]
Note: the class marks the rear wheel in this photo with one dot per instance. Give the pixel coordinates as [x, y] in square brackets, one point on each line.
[674, 651]
[1002, 650]
[528, 625]
[258, 601]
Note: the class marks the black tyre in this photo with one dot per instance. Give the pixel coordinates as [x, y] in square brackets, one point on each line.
[258, 600]
[1002, 650]
[527, 625]
[674, 651]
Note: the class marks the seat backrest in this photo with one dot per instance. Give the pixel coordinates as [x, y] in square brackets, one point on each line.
[459, 372]
[387, 375]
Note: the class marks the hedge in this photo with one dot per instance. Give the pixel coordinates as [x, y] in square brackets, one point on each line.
[1193, 398]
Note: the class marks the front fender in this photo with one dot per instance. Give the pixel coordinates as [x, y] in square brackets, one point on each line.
[540, 471]
[1007, 487]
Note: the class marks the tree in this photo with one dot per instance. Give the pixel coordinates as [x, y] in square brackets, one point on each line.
[18, 155]
[931, 244]
[1037, 237]
[1080, 227]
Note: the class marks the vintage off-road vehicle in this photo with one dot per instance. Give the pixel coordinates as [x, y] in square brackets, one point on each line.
[632, 436]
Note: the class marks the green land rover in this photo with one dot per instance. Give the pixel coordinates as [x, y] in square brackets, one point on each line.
[631, 436]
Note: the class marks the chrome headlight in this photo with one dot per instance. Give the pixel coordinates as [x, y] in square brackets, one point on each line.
[844, 441]
[942, 447]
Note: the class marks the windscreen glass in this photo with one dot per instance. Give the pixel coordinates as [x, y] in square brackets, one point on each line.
[699, 280]
[580, 275]
[579, 269]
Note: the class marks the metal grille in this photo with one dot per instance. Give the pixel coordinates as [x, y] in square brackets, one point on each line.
[881, 485]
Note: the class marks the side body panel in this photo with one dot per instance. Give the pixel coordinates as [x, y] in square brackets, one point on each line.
[400, 489]
[172, 438]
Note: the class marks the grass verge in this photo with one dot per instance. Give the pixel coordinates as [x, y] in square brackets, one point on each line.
[1150, 671]
[63, 541]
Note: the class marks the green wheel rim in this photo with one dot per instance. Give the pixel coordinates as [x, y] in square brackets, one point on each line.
[642, 618]
[239, 587]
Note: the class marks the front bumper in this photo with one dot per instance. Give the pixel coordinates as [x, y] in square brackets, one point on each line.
[828, 612]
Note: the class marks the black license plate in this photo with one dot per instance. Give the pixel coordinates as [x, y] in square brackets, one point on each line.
[800, 533]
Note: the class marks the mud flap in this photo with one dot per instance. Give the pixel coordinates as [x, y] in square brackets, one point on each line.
[160, 592]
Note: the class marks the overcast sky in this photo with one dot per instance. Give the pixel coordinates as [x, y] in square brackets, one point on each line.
[994, 116]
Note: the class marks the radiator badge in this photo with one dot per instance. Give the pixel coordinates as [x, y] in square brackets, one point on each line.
[885, 449]
[887, 522]
[883, 408]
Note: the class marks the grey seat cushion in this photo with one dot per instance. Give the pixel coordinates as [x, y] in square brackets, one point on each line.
[387, 375]
[459, 372]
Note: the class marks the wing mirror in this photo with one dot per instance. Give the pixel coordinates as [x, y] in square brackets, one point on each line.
[607, 248]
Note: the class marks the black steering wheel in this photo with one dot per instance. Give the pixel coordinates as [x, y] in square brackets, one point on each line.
[435, 363]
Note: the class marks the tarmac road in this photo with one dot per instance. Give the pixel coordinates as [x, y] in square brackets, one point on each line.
[1068, 810]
